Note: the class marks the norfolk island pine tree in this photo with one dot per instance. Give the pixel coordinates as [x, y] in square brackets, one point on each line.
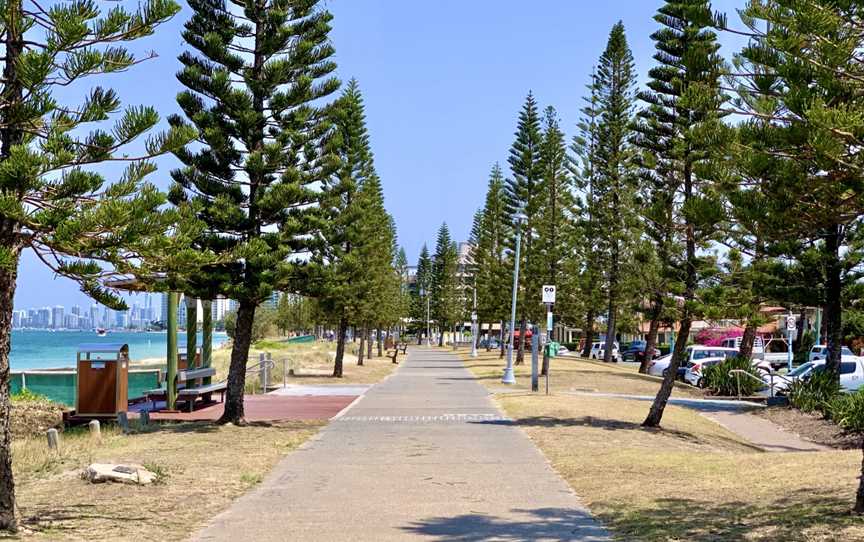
[615, 186]
[54, 201]
[255, 84]
[683, 118]
[524, 196]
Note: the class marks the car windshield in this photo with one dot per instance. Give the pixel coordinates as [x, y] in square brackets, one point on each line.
[846, 352]
[798, 371]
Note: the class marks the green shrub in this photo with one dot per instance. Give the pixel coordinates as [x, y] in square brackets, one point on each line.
[816, 394]
[847, 411]
[27, 396]
[720, 382]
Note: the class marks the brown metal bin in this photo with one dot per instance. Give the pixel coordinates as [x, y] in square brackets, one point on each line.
[103, 380]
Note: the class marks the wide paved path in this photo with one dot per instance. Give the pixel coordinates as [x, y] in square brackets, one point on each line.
[424, 455]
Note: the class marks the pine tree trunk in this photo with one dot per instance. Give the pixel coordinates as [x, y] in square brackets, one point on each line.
[8, 520]
[651, 340]
[612, 320]
[441, 337]
[859, 496]
[453, 328]
[340, 347]
[380, 343]
[833, 302]
[520, 353]
[237, 370]
[690, 284]
[589, 334]
[659, 404]
[501, 341]
[749, 338]
[799, 335]
[362, 350]
[369, 342]
[610, 332]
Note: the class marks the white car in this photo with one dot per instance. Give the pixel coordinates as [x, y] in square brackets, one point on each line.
[851, 374]
[694, 352]
[598, 351]
[695, 372]
[820, 352]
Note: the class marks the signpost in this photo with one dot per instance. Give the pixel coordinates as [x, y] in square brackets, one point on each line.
[791, 329]
[549, 291]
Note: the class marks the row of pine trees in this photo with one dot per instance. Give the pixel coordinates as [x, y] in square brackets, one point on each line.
[725, 184]
[276, 189]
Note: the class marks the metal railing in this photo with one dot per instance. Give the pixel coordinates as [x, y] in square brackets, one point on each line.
[263, 369]
[739, 372]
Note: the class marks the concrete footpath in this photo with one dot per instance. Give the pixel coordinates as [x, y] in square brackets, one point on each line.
[423, 455]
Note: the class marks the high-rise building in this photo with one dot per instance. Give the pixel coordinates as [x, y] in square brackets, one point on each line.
[57, 317]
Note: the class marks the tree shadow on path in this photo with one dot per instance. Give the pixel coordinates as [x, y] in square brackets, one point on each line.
[535, 524]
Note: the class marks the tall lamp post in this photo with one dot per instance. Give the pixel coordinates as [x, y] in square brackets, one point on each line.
[425, 293]
[509, 376]
[474, 329]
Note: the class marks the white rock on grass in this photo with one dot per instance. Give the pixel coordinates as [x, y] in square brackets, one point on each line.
[125, 474]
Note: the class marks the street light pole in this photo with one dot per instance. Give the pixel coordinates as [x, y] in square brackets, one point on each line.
[428, 323]
[509, 376]
[474, 330]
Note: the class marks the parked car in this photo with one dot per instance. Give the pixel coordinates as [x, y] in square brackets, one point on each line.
[636, 351]
[851, 374]
[694, 352]
[598, 351]
[489, 343]
[694, 374]
[820, 352]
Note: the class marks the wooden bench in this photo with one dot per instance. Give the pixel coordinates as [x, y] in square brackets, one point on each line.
[403, 347]
[188, 391]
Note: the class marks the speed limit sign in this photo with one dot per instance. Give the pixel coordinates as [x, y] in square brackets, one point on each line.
[548, 293]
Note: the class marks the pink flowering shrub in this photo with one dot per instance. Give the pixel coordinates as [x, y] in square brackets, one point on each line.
[715, 336]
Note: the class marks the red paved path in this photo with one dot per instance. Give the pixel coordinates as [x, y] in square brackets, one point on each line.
[261, 408]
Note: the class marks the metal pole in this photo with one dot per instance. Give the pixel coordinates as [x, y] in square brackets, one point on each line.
[207, 336]
[789, 343]
[171, 387]
[428, 323]
[474, 330]
[509, 376]
[191, 331]
[535, 344]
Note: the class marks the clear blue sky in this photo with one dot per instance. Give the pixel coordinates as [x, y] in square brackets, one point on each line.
[443, 82]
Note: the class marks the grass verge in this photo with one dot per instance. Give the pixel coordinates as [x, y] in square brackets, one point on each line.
[692, 480]
[201, 468]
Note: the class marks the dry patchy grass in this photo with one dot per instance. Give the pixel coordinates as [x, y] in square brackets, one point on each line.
[201, 469]
[312, 363]
[693, 480]
[572, 374]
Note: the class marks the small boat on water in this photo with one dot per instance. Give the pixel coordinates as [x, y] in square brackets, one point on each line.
[101, 331]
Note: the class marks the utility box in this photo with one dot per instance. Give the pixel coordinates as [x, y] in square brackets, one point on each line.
[103, 380]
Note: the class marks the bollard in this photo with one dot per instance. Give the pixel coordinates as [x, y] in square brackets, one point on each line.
[53, 439]
[144, 419]
[95, 429]
[123, 421]
[262, 371]
[535, 345]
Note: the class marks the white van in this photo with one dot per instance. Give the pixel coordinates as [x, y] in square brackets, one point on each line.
[598, 351]
[735, 342]
[695, 352]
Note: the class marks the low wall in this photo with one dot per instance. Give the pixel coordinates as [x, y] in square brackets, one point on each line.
[60, 385]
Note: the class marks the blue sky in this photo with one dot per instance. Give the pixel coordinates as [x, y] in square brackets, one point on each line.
[443, 82]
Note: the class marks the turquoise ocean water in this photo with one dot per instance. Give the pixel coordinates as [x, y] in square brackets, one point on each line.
[39, 349]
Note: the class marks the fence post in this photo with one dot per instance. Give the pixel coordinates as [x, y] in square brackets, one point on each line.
[53, 439]
[95, 429]
[262, 371]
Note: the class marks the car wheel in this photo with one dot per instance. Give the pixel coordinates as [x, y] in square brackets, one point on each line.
[665, 372]
[700, 383]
